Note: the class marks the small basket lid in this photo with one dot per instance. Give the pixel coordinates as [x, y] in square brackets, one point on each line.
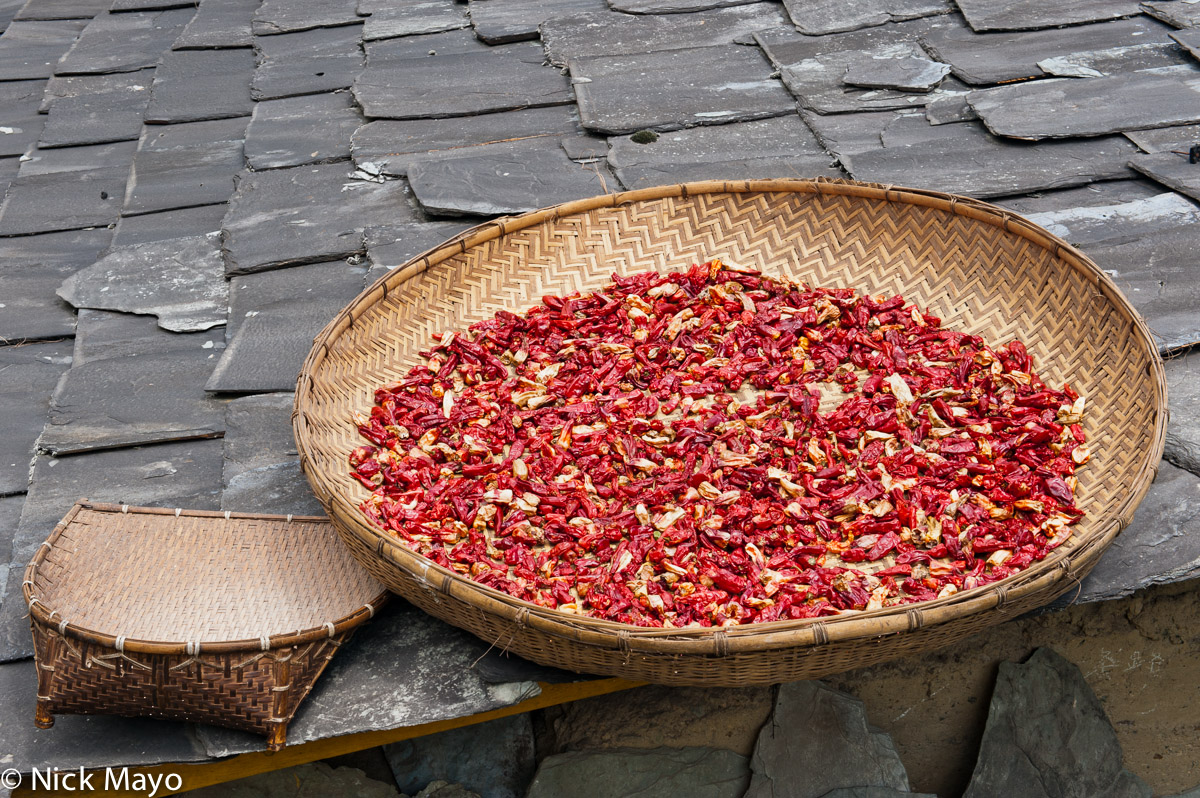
[164, 581]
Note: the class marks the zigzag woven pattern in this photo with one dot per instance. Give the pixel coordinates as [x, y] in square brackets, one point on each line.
[980, 269]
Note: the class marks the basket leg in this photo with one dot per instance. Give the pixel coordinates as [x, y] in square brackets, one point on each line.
[42, 717]
[276, 735]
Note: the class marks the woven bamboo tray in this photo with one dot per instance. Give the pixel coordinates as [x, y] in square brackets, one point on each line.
[221, 618]
[980, 268]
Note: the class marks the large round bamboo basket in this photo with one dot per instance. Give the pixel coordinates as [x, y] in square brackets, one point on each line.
[983, 270]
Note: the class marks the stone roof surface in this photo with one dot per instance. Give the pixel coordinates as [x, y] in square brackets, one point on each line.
[193, 188]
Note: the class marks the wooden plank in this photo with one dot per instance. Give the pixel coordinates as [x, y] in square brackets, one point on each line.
[204, 774]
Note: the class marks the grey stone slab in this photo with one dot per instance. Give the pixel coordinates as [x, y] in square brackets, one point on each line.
[1161, 546]
[313, 128]
[517, 20]
[462, 41]
[150, 5]
[183, 474]
[1177, 13]
[273, 318]
[981, 59]
[31, 268]
[262, 467]
[497, 667]
[1165, 139]
[290, 16]
[62, 9]
[149, 227]
[1091, 107]
[31, 49]
[964, 158]
[818, 740]
[584, 149]
[123, 42]
[404, 668]
[411, 18]
[60, 87]
[194, 85]
[392, 145]
[699, 772]
[514, 177]
[9, 168]
[1183, 429]
[693, 86]
[985, 15]
[1170, 169]
[28, 375]
[305, 214]
[20, 122]
[314, 780]
[179, 166]
[90, 741]
[1148, 248]
[307, 62]
[948, 108]
[903, 74]
[835, 16]
[42, 203]
[1047, 735]
[112, 112]
[10, 516]
[849, 134]
[219, 24]
[778, 147]
[77, 159]
[180, 280]
[494, 759]
[150, 395]
[8, 9]
[507, 77]
[612, 33]
[1109, 192]
[1189, 40]
[812, 67]
[394, 245]
[671, 6]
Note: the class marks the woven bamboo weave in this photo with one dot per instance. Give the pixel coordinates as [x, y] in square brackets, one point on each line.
[219, 618]
[982, 269]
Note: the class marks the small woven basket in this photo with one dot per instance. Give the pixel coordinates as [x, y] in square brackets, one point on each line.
[982, 269]
[220, 618]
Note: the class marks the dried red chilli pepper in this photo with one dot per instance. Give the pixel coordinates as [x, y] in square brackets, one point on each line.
[714, 447]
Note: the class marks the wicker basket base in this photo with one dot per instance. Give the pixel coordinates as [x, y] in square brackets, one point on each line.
[217, 618]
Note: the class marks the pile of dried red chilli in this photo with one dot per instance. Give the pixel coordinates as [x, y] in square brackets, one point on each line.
[657, 453]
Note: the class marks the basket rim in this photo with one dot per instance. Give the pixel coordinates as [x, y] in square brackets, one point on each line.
[42, 614]
[1041, 576]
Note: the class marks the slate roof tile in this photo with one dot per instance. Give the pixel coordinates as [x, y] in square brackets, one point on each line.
[219, 24]
[181, 166]
[31, 49]
[306, 62]
[195, 85]
[123, 42]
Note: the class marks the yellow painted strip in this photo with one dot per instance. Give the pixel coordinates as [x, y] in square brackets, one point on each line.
[204, 774]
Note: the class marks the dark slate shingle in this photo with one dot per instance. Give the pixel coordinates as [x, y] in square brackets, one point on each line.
[305, 214]
[181, 166]
[31, 49]
[195, 85]
[123, 42]
[219, 24]
[503, 78]
[110, 110]
[313, 128]
[307, 62]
